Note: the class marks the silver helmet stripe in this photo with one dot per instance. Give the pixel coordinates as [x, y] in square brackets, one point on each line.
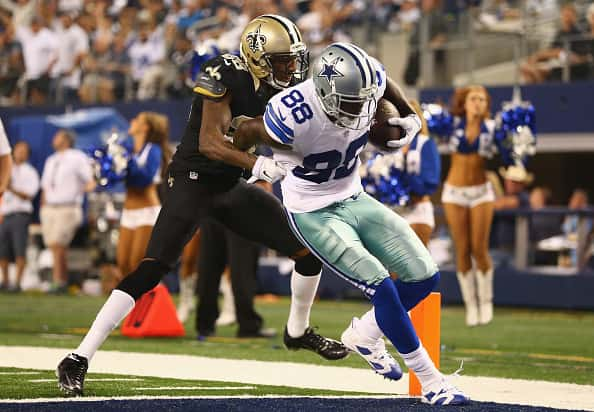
[362, 67]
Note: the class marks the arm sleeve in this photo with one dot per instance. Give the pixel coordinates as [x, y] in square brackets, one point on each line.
[279, 122]
[142, 173]
[427, 181]
[4, 145]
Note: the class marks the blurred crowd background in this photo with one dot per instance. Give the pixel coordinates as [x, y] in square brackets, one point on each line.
[90, 51]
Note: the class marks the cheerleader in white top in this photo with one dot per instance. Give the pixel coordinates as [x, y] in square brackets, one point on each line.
[148, 160]
[468, 200]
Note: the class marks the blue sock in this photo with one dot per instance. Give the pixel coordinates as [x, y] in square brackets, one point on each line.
[392, 318]
[411, 293]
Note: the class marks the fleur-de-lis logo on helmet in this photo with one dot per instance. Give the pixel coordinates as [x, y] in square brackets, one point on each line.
[256, 40]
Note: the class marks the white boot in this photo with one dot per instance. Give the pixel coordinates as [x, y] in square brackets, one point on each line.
[484, 282]
[227, 315]
[187, 298]
[468, 290]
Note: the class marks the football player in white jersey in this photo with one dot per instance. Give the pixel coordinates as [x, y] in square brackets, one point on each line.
[317, 130]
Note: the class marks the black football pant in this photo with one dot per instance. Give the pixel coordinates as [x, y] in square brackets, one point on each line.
[218, 247]
[245, 209]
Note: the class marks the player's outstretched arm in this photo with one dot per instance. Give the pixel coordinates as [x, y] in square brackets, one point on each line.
[252, 132]
[216, 118]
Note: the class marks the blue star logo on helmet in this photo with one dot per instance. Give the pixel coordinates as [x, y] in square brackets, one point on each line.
[329, 70]
[256, 40]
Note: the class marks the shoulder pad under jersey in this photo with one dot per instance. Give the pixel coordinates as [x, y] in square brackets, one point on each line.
[208, 85]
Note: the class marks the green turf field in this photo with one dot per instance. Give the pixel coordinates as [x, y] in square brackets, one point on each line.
[28, 383]
[528, 344]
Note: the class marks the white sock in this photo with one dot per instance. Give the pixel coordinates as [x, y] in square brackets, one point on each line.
[187, 288]
[116, 308]
[303, 293]
[420, 362]
[367, 326]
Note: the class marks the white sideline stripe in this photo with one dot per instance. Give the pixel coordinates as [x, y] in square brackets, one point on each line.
[194, 388]
[19, 373]
[514, 391]
[91, 380]
[147, 397]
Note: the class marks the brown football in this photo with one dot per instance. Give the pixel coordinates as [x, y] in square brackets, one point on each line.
[381, 131]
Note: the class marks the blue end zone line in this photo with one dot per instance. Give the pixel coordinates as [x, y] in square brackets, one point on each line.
[354, 282]
[165, 397]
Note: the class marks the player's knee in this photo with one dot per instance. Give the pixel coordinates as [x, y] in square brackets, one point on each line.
[308, 265]
[147, 275]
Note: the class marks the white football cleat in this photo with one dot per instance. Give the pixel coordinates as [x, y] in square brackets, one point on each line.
[444, 393]
[373, 351]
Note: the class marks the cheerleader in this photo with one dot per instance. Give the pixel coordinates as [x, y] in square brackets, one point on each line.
[148, 161]
[421, 165]
[468, 200]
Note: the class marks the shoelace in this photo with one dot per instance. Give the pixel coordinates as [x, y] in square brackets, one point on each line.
[79, 372]
[316, 339]
[447, 385]
[380, 352]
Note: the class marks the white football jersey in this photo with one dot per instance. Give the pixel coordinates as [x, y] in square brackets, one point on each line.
[322, 167]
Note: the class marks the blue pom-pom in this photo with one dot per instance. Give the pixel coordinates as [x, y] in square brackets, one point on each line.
[516, 131]
[385, 182]
[440, 121]
[110, 162]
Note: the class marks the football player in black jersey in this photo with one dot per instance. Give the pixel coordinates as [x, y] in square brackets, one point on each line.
[204, 181]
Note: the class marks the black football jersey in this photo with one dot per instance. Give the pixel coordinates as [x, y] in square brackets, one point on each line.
[231, 74]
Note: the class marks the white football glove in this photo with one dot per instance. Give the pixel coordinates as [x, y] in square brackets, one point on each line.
[411, 125]
[268, 170]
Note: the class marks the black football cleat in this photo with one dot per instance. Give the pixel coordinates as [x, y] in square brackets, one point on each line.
[327, 348]
[71, 374]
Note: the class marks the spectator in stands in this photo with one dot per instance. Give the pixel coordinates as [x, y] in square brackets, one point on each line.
[468, 197]
[12, 65]
[179, 82]
[515, 196]
[73, 46]
[40, 50]
[146, 169]
[432, 11]
[318, 26]
[542, 226]
[590, 19]
[114, 75]
[5, 160]
[146, 52]
[570, 227]
[67, 175]
[15, 214]
[567, 48]
[22, 11]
